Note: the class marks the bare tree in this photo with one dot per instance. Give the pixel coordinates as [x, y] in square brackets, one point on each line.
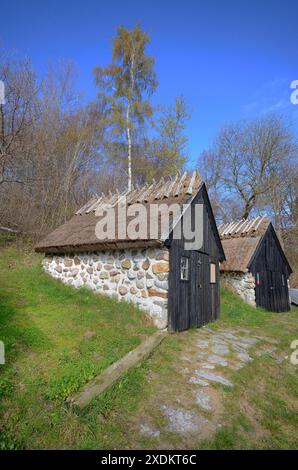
[251, 161]
[50, 145]
[15, 118]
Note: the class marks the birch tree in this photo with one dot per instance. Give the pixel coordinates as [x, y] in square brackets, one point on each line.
[125, 87]
[170, 146]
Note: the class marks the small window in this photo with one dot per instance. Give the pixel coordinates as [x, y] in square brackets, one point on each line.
[184, 275]
[258, 279]
[283, 280]
[212, 273]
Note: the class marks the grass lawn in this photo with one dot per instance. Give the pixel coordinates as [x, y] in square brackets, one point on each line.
[57, 338]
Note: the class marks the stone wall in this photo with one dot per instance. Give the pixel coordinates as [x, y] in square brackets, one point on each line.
[243, 284]
[139, 276]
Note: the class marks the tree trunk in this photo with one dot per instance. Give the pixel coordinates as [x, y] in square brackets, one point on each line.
[249, 205]
[246, 211]
[128, 128]
[129, 148]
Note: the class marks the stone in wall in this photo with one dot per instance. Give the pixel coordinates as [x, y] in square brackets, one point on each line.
[243, 284]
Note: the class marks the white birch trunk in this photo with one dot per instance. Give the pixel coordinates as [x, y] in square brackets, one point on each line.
[129, 148]
[128, 127]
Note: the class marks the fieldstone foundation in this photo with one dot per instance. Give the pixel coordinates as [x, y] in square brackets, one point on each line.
[139, 276]
[243, 284]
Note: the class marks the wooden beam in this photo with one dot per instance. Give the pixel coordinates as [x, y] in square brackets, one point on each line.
[177, 192]
[171, 187]
[85, 206]
[192, 181]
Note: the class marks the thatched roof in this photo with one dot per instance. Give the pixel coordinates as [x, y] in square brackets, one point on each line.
[78, 234]
[240, 240]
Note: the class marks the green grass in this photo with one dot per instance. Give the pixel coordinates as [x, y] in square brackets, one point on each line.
[235, 312]
[44, 324]
[50, 353]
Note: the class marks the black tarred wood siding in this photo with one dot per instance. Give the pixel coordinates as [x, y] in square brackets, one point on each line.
[195, 302]
[271, 271]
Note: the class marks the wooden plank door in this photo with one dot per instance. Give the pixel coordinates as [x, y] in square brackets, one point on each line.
[197, 289]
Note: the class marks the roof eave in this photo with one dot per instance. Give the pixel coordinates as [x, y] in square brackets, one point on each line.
[115, 245]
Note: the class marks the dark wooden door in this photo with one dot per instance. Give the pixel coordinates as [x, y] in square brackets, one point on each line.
[279, 292]
[196, 289]
[193, 301]
[201, 291]
[272, 291]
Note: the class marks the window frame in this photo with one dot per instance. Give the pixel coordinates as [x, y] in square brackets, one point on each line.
[183, 257]
[211, 281]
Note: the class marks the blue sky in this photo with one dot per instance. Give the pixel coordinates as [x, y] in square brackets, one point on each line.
[231, 59]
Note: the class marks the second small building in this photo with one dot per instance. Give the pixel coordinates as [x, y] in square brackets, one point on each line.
[256, 265]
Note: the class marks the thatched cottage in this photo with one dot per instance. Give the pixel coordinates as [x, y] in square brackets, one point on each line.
[256, 265]
[177, 287]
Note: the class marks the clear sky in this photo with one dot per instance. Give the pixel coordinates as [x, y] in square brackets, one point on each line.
[232, 59]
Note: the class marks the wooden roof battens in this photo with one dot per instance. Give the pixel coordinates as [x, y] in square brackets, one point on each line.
[241, 226]
[232, 228]
[237, 225]
[258, 224]
[131, 195]
[85, 206]
[191, 184]
[113, 200]
[253, 222]
[161, 193]
[93, 206]
[177, 192]
[170, 187]
[147, 193]
[222, 227]
[142, 197]
[157, 188]
[120, 199]
[106, 203]
[248, 226]
[244, 226]
[226, 230]
[134, 197]
[141, 193]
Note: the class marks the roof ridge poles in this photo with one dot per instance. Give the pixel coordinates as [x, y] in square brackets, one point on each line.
[177, 192]
[192, 181]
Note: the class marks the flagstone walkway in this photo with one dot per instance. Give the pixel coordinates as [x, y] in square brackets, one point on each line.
[208, 365]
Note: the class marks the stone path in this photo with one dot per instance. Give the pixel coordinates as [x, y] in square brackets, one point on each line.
[207, 365]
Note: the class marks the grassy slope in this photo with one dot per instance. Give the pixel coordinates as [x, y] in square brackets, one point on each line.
[43, 323]
[56, 338]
